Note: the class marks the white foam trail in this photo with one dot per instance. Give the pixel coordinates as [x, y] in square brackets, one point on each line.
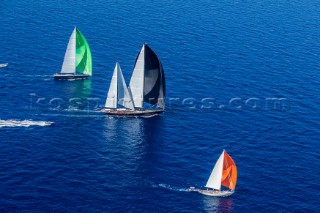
[23, 123]
[167, 186]
[38, 75]
[149, 116]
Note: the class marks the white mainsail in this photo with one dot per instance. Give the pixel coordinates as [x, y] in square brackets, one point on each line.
[214, 180]
[137, 80]
[118, 91]
[69, 62]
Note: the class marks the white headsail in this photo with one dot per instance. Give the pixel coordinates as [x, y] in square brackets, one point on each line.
[112, 97]
[124, 96]
[69, 62]
[118, 91]
[214, 180]
[137, 80]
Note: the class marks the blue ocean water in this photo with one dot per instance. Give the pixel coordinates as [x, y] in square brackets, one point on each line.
[240, 75]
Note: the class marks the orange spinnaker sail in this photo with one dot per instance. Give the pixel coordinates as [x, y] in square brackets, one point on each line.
[229, 172]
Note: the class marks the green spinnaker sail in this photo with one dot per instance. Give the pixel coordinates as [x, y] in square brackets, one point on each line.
[83, 55]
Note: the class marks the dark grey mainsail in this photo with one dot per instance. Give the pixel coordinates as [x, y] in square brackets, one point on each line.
[147, 84]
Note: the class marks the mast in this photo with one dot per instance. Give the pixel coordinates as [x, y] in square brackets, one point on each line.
[144, 73]
[117, 87]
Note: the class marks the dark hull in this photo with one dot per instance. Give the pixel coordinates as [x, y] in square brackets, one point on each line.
[132, 112]
[69, 76]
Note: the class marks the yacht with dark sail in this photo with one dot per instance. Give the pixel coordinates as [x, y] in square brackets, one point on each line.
[146, 88]
[77, 63]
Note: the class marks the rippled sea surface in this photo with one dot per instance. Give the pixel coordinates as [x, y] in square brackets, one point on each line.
[240, 75]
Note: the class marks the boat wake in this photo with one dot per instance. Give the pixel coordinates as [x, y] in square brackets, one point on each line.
[167, 186]
[38, 76]
[23, 123]
[149, 116]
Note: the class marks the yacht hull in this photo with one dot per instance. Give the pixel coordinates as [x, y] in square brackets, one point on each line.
[59, 76]
[216, 193]
[132, 112]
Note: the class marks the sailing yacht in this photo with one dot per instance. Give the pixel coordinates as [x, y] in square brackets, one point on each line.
[146, 88]
[224, 174]
[77, 63]
[4, 65]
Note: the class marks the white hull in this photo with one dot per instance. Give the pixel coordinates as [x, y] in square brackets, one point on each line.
[216, 193]
[4, 65]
